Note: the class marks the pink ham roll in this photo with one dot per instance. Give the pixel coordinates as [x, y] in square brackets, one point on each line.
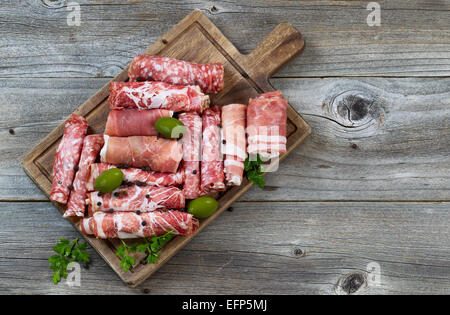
[92, 145]
[266, 124]
[212, 177]
[136, 175]
[134, 122]
[134, 198]
[67, 157]
[234, 142]
[191, 153]
[157, 95]
[131, 225]
[179, 72]
[161, 155]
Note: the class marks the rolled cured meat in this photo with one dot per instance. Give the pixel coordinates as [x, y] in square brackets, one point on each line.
[131, 225]
[212, 177]
[266, 124]
[67, 157]
[133, 198]
[155, 68]
[136, 175]
[92, 145]
[234, 142]
[134, 122]
[157, 95]
[191, 153]
[161, 155]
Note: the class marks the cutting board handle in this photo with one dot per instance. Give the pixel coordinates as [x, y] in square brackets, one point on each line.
[279, 47]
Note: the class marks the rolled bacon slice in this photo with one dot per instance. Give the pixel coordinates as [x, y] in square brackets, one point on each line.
[212, 177]
[266, 124]
[126, 225]
[155, 68]
[161, 155]
[67, 157]
[92, 145]
[134, 122]
[136, 175]
[234, 142]
[191, 153]
[157, 95]
[133, 198]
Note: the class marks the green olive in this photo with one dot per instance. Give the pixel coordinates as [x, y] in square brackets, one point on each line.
[109, 180]
[170, 127]
[203, 207]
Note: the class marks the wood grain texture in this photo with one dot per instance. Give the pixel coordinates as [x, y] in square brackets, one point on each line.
[394, 151]
[295, 248]
[413, 39]
[196, 39]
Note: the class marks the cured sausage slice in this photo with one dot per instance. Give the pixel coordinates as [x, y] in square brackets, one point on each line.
[266, 124]
[154, 95]
[134, 122]
[133, 198]
[67, 157]
[155, 68]
[234, 142]
[136, 175]
[92, 145]
[191, 153]
[212, 177]
[131, 225]
[161, 155]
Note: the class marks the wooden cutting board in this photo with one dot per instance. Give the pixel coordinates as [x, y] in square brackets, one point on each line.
[195, 39]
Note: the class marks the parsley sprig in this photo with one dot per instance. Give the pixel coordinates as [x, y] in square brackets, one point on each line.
[67, 252]
[254, 171]
[151, 248]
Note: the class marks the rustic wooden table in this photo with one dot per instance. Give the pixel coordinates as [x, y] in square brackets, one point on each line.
[361, 207]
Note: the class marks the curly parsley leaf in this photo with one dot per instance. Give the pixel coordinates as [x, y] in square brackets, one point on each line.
[151, 248]
[254, 171]
[67, 252]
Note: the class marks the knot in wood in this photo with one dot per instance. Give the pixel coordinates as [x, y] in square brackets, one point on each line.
[298, 252]
[53, 4]
[351, 283]
[354, 108]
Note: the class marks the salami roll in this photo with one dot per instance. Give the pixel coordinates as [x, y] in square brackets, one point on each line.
[266, 124]
[191, 153]
[155, 68]
[126, 225]
[67, 157]
[133, 198]
[157, 95]
[136, 175]
[234, 142]
[134, 122]
[92, 145]
[212, 176]
[161, 155]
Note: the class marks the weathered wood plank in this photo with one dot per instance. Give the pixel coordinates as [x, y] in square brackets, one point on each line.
[293, 248]
[393, 146]
[413, 39]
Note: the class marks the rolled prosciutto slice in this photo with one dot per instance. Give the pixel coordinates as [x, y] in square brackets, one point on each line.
[266, 124]
[191, 153]
[212, 177]
[131, 225]
[155, 68]
[134, 122]
[133, 198]
[234, 142]
[92, 145]
[157, 95]
[161, 155]
[67, 157]
[136, 175]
